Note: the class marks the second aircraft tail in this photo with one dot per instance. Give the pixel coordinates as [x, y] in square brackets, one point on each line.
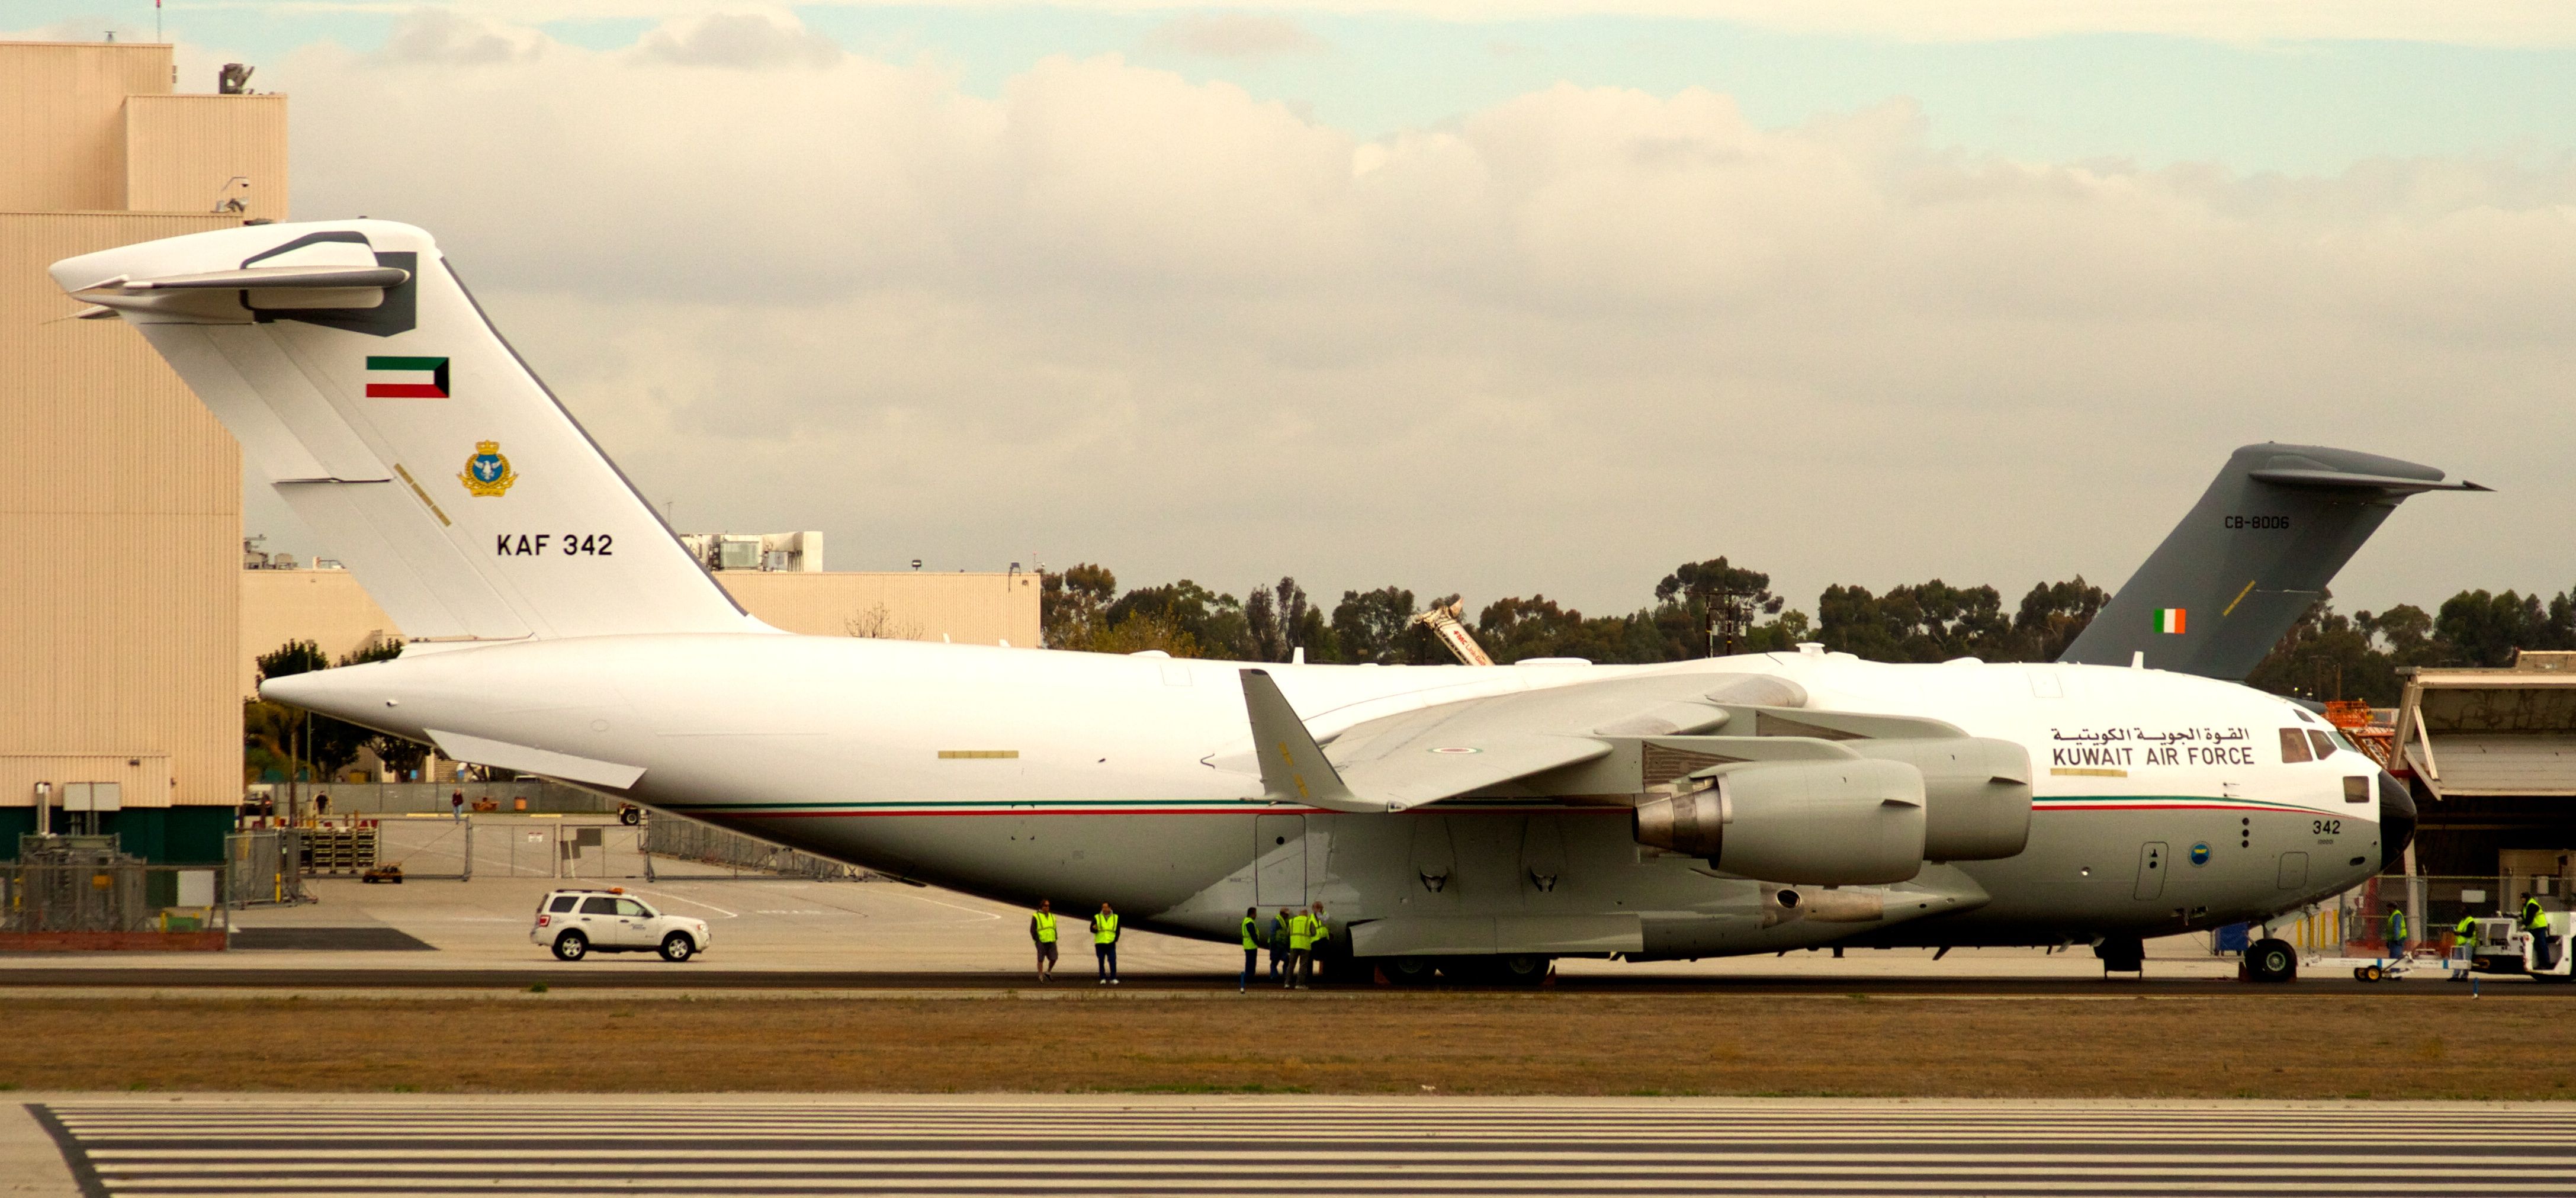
[2258, 548]
[363, 381]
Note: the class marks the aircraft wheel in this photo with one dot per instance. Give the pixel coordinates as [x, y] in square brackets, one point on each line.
[571, 946]
[2271, 960]
[1521, 969]
[1407, 971]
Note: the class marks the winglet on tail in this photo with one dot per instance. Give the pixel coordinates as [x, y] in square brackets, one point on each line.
[2258, 548]
[363, 381]
[1293, 767]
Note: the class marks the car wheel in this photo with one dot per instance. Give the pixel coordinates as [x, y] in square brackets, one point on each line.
[677, 947]
[1408, 971]
[2272, 961]
[572, 946]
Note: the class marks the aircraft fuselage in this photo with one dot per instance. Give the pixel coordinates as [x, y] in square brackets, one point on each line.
[2160, 801]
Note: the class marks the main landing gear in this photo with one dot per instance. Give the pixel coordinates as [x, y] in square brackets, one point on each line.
[2271, 960]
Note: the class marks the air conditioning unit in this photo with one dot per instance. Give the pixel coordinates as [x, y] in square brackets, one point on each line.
[738, 553]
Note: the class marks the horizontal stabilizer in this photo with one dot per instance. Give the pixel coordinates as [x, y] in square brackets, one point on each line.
[376, 400]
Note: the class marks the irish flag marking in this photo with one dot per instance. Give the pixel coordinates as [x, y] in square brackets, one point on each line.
[406, 378]
[2169, 619]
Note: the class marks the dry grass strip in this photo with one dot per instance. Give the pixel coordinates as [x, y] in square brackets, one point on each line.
[2268, 1047]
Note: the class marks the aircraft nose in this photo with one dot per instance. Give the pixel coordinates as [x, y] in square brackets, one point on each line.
[2396, 819]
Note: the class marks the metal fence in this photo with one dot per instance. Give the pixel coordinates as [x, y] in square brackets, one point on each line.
[504, 846]
[263, 866]
[85, 884]
[695, 840]
[429, 798]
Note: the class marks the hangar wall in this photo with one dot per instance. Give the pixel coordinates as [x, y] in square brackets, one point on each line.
[119, 619]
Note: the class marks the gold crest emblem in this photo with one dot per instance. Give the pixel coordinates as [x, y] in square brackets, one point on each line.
[487, 473]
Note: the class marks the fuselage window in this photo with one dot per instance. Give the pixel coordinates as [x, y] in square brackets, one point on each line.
[2294, 747]
[2323, 744]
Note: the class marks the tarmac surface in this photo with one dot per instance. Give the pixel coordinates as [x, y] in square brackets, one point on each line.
[870, 1144]
[785, 934]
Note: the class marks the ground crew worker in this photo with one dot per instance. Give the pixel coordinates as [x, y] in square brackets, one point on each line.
[1251, 947]
[1279, 945]
[1042, 934]
[2464, 943]
[1104, 944]
[2396, 933]
[1315, 952]
[1301, 945]
[2535, 920]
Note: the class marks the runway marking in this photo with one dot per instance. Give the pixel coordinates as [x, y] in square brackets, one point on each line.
[1057, 1144]
[690, 901]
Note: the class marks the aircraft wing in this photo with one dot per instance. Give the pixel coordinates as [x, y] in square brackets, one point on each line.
[1404, 761]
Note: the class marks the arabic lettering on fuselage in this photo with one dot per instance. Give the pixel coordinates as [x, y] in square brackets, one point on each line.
[2133, 746]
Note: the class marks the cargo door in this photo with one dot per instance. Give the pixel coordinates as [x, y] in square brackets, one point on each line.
[2151, 869]
[1279, 860]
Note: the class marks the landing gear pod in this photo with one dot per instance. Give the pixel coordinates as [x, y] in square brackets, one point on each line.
[1827, 823]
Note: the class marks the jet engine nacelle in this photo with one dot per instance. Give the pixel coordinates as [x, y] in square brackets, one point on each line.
[1825, 823]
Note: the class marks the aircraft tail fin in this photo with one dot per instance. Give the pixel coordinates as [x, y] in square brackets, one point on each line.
[362, 380]
[2258, 548]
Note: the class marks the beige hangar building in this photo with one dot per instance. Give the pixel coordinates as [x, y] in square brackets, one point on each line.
[129, 625]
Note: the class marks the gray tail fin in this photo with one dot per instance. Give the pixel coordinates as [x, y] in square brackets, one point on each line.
[2258, 548]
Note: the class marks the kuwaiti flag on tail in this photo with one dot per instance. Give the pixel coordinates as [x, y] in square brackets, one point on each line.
[2169, 619]
[406, 378]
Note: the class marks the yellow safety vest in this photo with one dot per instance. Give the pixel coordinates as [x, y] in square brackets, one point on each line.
[2535, 917]
[1104, 929]
[2467, 929]
[1251, 933]
[1301, 932]
[1046, 926]
[2397, 922]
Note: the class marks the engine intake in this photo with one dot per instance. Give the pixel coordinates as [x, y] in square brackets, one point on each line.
[1827, 823]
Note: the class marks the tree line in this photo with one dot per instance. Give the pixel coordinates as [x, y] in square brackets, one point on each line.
[2326, 655]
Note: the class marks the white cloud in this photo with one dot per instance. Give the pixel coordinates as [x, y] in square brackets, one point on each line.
[751, 40]
[440, 36]
[2462, 22]
[1558, 345]
[1242, 36]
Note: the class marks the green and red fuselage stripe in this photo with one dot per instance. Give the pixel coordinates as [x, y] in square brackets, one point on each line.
[1034, 807]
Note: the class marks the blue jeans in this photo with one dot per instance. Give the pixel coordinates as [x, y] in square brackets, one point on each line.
[1108, 959]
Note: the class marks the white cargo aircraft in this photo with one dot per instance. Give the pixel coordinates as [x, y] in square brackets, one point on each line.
[1471, 821]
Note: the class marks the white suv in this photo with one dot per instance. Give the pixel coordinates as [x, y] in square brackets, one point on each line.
[575, 922]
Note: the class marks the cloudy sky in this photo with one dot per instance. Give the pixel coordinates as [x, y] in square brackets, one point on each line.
[1544, 295]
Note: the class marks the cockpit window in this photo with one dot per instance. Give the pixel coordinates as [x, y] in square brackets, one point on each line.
[2294, 747]
[2324, 746]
